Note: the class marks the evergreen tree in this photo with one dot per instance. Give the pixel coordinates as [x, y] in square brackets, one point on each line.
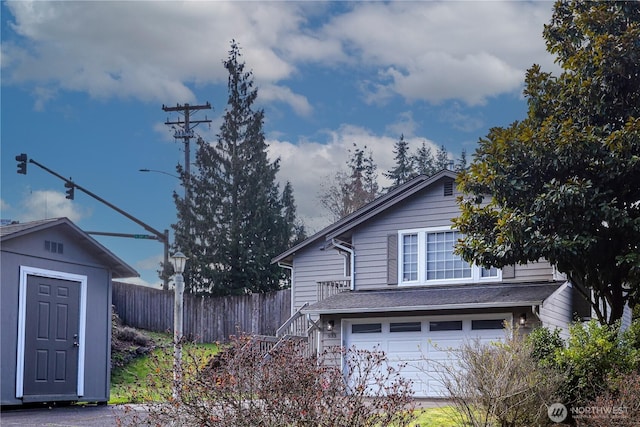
[235, 220]
[461, 164]
[294, 232]
[404, 169]
[442, 159]
[423, 161]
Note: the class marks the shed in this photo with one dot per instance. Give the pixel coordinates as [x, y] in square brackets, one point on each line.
[55, 296]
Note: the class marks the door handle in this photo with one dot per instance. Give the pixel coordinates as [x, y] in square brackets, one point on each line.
[75, 340]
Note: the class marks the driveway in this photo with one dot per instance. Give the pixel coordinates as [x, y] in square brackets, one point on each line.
[65, 416]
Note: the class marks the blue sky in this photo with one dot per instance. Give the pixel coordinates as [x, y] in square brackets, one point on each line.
[83, 84]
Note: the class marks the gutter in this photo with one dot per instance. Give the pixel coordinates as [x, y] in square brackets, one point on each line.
[422, 307]
[290, 268]
[340, 245]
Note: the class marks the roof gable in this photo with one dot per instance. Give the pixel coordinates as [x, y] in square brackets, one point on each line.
[119, 268]
[368, 211]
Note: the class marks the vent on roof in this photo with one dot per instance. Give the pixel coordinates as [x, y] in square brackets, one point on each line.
[53, 247]
[448, 187]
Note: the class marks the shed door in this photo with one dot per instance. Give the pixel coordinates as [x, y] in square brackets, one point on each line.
[51, 339]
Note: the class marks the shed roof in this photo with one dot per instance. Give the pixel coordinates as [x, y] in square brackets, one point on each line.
[436, 298]
[118, 267]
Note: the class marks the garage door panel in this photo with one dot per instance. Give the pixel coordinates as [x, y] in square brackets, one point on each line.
[422, 356]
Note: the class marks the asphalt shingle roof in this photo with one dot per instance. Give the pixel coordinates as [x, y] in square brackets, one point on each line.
[437, 298]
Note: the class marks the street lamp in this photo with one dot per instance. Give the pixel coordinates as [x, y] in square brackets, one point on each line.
[158, 171]
[178, 260]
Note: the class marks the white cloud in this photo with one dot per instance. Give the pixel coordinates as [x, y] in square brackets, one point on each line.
[405, 125]
[299, 103]
[41, 204]
[436, 51]
[153, 51]
[460, 120]
[307, 164]
[143, 50]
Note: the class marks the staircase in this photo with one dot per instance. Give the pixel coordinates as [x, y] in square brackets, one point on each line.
[298, 327]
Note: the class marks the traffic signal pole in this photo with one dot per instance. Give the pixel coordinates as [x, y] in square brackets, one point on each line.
[157, 235]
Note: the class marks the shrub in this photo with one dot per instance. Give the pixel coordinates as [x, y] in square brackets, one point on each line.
[618, 406]
[500, 383]
[594, 355]
[242, 387]
[544, 345]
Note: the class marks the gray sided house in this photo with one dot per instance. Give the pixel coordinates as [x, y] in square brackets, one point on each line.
[55, 291]
[386, 277]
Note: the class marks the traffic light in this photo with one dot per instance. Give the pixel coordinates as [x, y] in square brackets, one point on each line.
[22, 163]
[70, 189]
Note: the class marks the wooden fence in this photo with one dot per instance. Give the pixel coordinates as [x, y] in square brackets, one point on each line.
[206, 319]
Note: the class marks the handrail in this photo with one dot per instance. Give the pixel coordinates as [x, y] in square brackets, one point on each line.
[328, 288]
[286, 325]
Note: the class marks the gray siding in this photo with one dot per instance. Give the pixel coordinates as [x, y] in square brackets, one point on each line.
[429, 208]
[74, 260]
[534, 271]
[310, 266]
[556, 310]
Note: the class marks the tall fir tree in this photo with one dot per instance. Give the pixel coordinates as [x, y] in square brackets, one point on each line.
[423, 161]
[442, 159]
[235, 220]
[461, 163]
[404, 168]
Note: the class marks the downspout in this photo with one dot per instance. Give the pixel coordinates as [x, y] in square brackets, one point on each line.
[352, 257]
[290, 268]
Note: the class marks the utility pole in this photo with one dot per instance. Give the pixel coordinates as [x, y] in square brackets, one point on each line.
[186, 133]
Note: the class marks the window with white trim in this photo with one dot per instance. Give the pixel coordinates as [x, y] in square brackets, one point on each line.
[426, 257]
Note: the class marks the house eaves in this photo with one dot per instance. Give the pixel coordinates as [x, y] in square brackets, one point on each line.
[119, 268]
[436, 298]
[366, 212]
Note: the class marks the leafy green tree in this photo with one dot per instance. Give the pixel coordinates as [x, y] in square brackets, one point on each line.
[235, 220]
[404, 169]
[564, 183]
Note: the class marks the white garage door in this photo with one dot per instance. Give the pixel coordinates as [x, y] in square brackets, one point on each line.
[419, 346]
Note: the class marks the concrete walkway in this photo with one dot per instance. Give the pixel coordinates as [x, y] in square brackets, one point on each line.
[65, 416]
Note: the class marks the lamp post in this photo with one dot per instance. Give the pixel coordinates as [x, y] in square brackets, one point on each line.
[159, 171]
[178, 260]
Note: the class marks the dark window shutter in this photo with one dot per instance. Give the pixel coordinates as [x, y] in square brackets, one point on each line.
[509, 272]
[392, 259]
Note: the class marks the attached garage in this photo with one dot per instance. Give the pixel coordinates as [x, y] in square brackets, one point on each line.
[416, 327]
[418, 346]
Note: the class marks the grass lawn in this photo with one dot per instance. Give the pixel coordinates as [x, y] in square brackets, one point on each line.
[435, 417]
[130, 384]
